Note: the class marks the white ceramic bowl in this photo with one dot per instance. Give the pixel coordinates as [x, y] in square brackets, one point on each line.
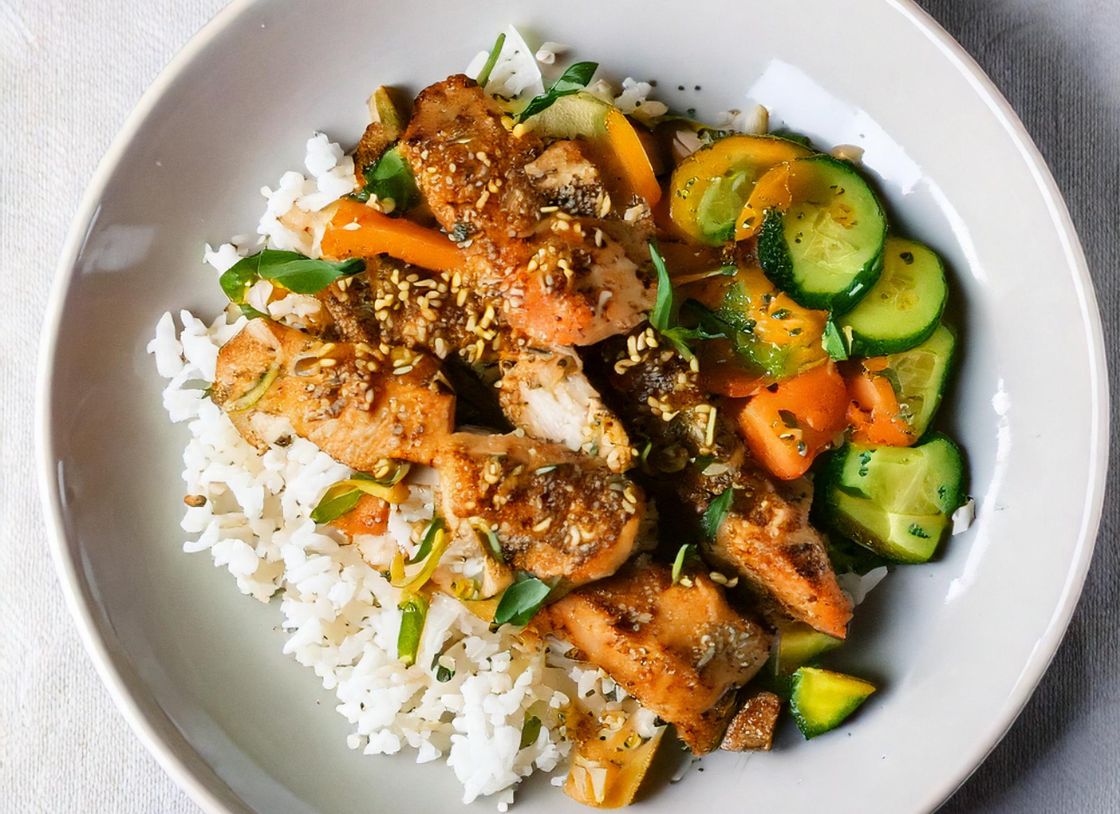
[957, 645]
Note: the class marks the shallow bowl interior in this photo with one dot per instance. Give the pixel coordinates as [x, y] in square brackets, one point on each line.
[957, 646]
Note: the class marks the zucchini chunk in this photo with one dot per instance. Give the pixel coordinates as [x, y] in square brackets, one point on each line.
[799, 644]
[821, 700]
[824, 250]
[904, 306]
[708, 189]
[895, 501]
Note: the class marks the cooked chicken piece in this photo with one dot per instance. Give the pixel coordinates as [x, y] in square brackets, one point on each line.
[765, 537]
[556, 514]
[681, 649]
[569, 180]
[399, 304]
[752, 728]
[356, 403]
[547, 394]
[468, 165]
[543, 392]
[562, 282]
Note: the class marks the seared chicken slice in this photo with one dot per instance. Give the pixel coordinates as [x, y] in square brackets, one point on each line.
[543, 392]
[681, 649]
[547, 394]
[561, 282]
[555, 514]
[569, 180]
[752, 728]
[765, 536]
[399, 304]
[356, 403]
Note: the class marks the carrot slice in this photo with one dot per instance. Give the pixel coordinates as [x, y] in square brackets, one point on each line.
[787, 425]
[380, 234]
[873, 411]
[632, 158]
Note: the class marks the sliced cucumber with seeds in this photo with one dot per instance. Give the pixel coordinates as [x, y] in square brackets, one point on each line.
[825, 250]
[821, 700]
[895, 501]
[904, 306]
[919, 376]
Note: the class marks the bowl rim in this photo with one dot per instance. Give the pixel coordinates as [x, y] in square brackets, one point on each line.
[97, 640]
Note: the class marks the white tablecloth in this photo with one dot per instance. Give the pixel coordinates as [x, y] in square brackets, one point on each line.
[70, 71]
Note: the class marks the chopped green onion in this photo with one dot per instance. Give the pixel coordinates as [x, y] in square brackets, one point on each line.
[683, 553]
[491, 61]
[256, 392]
[430, 534]
[343, 496]
[716, 512]
[414, 609]
[443, 674]
[489, 538]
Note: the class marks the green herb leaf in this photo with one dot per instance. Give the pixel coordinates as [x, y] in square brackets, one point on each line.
[716, 512]
[571, 81]
[332, 507]
[490, 539]
[429, 538]
[414, 609]
[291, 270]
[661, 317]
[530, 731]
[390, 178]
[683, 553]
[521, 601]
[443, 674]
[251, 312]
[491, 61]
[833, 342]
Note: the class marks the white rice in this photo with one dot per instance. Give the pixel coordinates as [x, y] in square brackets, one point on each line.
[340, 614]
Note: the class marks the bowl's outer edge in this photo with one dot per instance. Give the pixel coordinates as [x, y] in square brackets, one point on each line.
[211, 794]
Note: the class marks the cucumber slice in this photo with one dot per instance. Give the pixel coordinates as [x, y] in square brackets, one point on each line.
[919, 377]
[904, 306]
[574, 116]
[826, 250]
[821, 700]
[708, 189]
[895, 501]
[799, 644]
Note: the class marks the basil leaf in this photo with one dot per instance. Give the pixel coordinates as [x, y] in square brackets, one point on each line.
[530, 731]
[683, 553]
[571, 81]
[332, 507]
[429, 538]
[521, 601]
[661, 316]
[716, 512]
[390, 178]
[292, 270]
[833, 342]
[491, 61]
[413, 610]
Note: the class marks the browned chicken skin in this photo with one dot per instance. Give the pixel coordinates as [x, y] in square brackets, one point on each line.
[765, 537]
[562, 282]
[556, 514]
[681, 649]
[358, 404]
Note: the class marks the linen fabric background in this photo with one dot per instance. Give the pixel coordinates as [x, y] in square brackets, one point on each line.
[70, 72]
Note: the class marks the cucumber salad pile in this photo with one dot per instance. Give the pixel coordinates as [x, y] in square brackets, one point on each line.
[828, 326]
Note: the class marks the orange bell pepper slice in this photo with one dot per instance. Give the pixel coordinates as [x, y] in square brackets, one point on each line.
[377, 233]
[873, 412]
[771, 191]
[633, 161]
[788, 424]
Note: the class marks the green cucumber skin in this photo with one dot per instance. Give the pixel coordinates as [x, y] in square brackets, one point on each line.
[909, 551]
[775, 259]
[810, 723]
[937, 393]
[865, 343]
